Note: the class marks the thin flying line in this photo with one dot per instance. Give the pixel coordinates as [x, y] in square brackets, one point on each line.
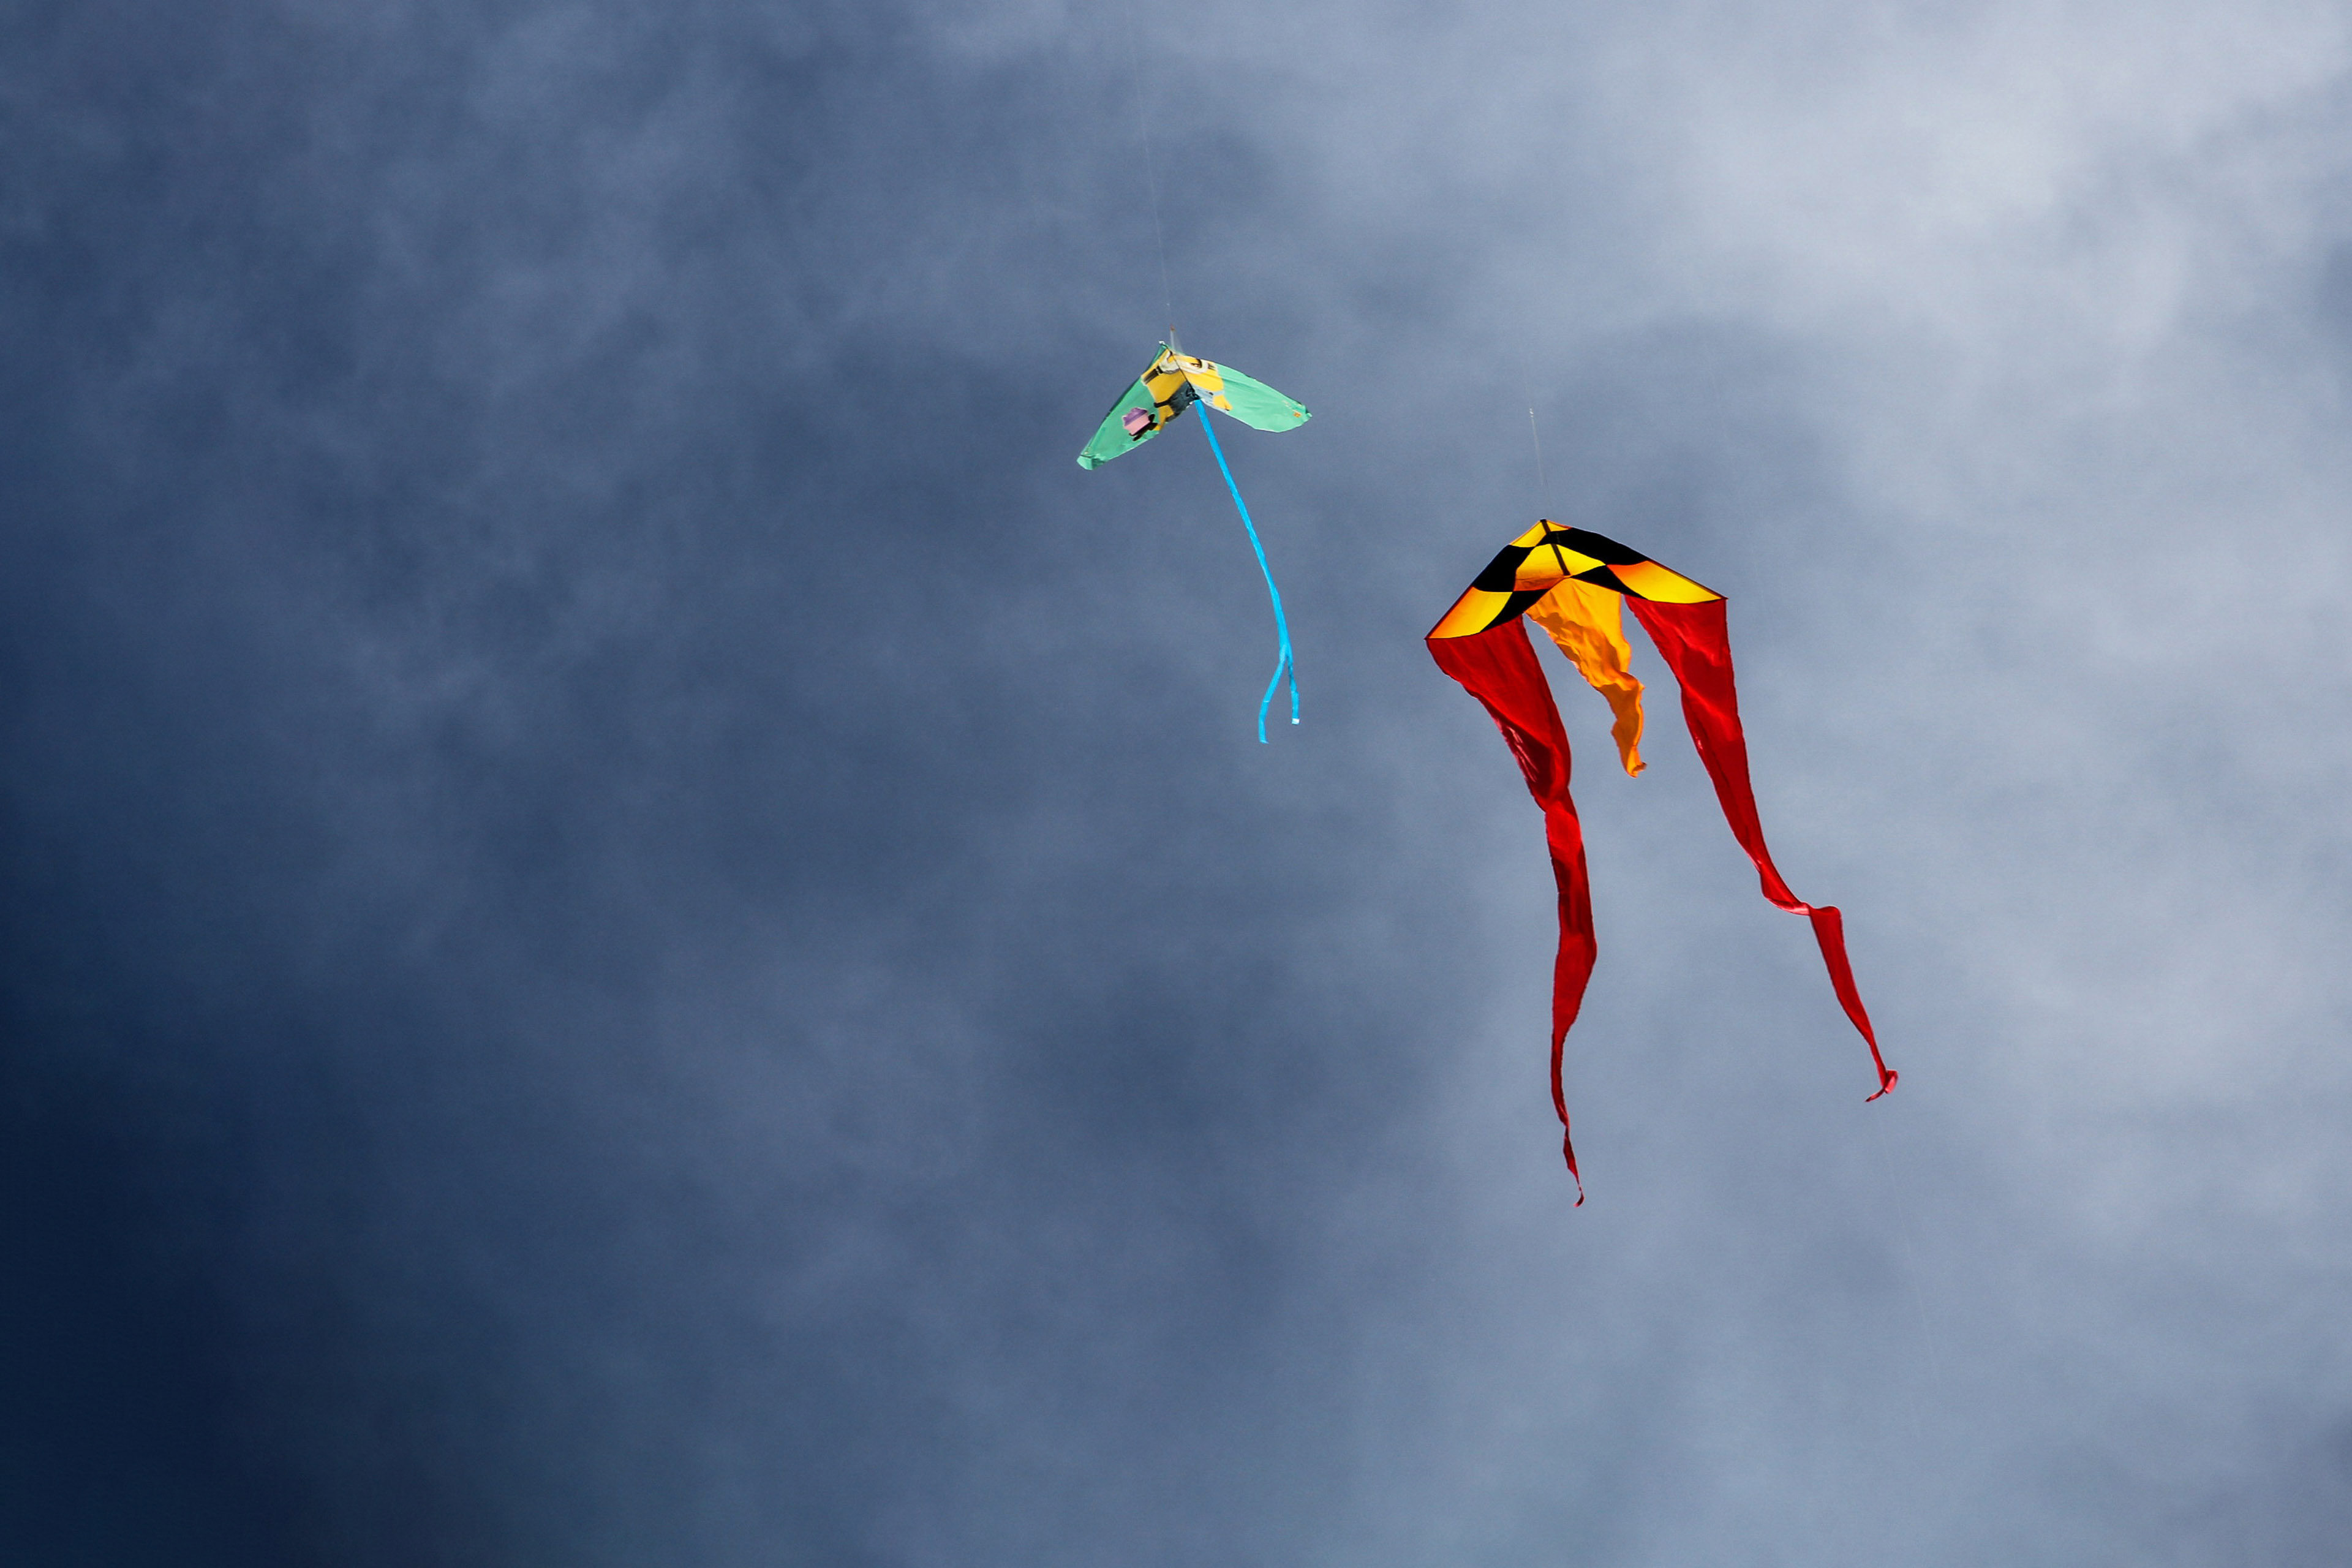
[1151, 183]
[1542, 479]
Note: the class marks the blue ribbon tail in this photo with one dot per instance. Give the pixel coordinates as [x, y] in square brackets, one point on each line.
[1283, 664]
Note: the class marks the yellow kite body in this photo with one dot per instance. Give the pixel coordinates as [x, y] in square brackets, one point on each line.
[1574, 584]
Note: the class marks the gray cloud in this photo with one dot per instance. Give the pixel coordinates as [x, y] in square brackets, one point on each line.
[642, 928]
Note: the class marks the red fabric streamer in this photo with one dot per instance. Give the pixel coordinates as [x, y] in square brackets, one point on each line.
[1695, 641]
[1499, 667]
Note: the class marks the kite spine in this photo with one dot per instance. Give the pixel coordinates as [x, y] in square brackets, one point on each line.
[1283, 662]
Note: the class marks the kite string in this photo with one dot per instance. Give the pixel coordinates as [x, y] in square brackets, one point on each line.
[1283, 661]
[1543, 480]
[1151, 183]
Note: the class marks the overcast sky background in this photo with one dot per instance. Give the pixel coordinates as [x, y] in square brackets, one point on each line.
[641, 929]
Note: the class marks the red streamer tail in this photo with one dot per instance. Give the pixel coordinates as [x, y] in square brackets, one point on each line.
[1695, 641]
[1499, 667]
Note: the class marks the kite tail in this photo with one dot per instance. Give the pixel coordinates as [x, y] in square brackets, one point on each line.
[1571, 970]
[1695, 640]
[1283, 663]
[1499, 667]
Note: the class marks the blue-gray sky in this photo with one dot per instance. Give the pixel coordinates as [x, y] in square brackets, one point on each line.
[640, 928]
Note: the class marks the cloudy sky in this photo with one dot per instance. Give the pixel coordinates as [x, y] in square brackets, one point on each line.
[639, 928]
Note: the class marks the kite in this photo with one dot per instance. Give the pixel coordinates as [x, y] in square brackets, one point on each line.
[1574, 584]
[1169, 385]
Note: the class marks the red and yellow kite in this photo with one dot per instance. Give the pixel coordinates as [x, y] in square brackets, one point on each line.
[1574, 584]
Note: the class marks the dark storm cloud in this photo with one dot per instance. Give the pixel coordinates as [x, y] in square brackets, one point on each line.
[642, 929]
